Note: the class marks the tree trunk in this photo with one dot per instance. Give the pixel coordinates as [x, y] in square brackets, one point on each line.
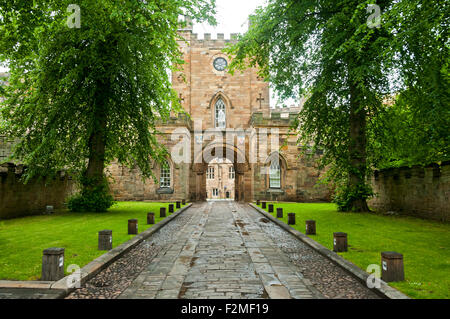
[97, 140]
[357, 148]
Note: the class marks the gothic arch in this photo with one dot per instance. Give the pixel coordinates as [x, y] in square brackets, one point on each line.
[283, 169]
[220, 95]
[235, 155]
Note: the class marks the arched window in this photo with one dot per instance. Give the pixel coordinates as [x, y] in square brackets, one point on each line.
[164, 177]
[219, 114]
[275, 173]
[231, 173]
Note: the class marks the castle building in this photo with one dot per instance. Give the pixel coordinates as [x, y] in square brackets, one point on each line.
[229, 122]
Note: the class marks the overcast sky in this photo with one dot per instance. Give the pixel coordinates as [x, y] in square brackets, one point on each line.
[232, 17]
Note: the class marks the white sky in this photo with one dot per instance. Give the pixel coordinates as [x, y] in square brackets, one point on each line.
[231, 16]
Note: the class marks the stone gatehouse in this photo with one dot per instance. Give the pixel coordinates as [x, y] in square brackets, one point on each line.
[227, 116]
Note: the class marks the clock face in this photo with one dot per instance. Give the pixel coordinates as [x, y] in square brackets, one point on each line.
[220, 64]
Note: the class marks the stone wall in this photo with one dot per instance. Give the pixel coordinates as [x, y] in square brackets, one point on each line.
[18, 199]
[418, 191]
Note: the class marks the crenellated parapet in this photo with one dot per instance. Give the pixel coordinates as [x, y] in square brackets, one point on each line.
[20, 199]
[420, 191]
[275, 119]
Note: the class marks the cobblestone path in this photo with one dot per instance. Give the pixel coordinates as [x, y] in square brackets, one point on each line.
[221, 253]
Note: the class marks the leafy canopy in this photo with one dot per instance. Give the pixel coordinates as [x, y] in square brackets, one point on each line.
[327, 52]
[120, 55]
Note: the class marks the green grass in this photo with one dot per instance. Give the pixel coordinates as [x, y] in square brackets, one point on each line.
[425, 244]
[22, 240]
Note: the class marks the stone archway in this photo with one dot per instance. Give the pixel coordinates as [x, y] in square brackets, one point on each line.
[242, 188]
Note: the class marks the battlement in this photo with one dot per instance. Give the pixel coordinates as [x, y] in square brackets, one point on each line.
[275, 119]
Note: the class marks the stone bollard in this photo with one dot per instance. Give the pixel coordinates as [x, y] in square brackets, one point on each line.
[162, 212]
[170, 208]
[132, 227]
[392, 266]
[270, 208]
[279, 212]
[310, 227]
[52, 264]
[183, 202]
[258, 202]
[339, 242]
[150, 218]
[178, 205]
[263, 205]
[105, 240]
[291, 218]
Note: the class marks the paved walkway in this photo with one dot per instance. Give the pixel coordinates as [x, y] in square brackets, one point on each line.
[221, 253]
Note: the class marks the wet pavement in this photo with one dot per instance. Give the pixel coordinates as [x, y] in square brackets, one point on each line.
[222, 250]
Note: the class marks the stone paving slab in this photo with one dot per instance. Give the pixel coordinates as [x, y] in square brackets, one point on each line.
[31, 293]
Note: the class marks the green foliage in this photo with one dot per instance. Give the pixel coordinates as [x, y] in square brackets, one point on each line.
[325, 51]
[346, 195]
[106, 82]
[94, 196]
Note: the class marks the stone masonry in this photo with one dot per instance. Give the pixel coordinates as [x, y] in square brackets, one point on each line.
[248, 119]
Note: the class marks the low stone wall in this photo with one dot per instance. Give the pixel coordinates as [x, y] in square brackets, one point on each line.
[18, 199]
[417, 191]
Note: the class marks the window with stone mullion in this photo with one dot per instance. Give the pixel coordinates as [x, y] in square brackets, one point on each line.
[165, 175]
[275, 174]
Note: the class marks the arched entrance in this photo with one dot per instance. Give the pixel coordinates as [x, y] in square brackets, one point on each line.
[220, 180]
[241, 169]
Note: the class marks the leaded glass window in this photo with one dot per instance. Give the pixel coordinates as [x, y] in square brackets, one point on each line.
[220, 116]
[275, 174]
[165, 175]
[231, 172]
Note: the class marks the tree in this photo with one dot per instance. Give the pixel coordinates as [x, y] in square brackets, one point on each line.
[326, 51]
[83, 95]
[333, 53]
[420, 117]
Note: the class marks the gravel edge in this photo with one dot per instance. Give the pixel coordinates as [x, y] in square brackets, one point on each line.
[384, 291]
[102, 262]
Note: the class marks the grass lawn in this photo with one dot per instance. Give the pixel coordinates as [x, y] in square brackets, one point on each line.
[22, 240]
[425, 244]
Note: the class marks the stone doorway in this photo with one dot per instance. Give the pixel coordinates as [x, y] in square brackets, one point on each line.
[220, 179]
[242, 190]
